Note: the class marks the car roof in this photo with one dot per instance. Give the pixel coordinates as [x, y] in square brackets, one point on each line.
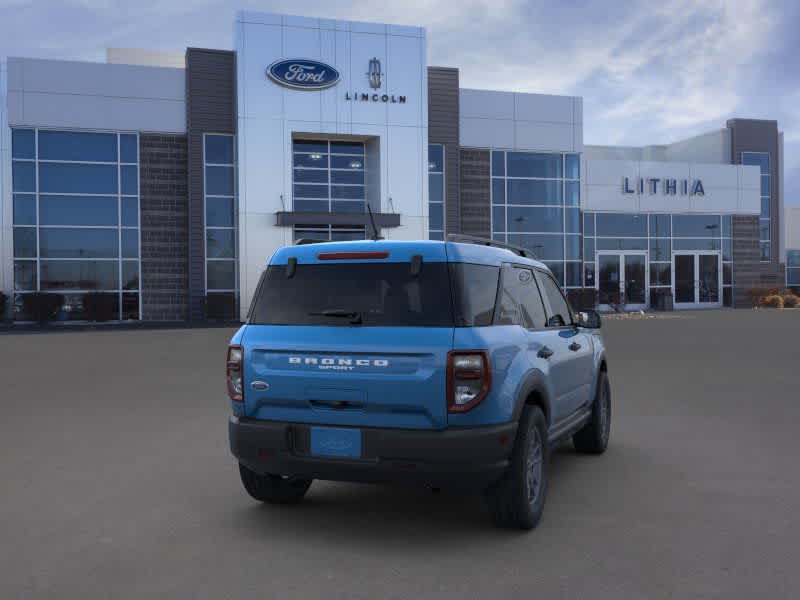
[402, 251]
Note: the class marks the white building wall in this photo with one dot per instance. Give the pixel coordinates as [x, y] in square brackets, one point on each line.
[729, 189]
[713, 147]
[270, 114]
[147, 58]
[791, 228]
[82, 95]
[518, 121]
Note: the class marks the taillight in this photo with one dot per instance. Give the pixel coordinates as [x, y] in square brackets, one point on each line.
[469, 377]
[233, 373]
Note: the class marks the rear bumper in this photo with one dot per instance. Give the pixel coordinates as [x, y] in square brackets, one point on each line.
[463, 457]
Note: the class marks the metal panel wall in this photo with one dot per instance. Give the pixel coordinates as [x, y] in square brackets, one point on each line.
[443, 128]
[476, 216]
[210, 108]
[754, 135]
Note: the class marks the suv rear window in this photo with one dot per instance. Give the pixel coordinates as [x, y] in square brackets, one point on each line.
[376, 294]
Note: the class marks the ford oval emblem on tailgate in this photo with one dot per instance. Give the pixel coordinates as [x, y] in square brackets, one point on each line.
[259, 385]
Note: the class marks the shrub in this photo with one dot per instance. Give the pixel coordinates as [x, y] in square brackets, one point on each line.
[41, 306]
[99, 306]
[3, 306]
[773, 301]
[790, 300]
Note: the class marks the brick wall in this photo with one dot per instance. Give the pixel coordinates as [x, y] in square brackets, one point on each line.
[475, 198]
[746, 266]
[165, 227]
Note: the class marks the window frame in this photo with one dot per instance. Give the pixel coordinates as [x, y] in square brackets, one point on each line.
[548, 308]
[235, 223]
[117, 196]
[443, 173]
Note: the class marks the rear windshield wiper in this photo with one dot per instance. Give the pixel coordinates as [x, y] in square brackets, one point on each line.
[354, 316]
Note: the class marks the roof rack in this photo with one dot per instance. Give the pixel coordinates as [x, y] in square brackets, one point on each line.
[304, 241]
[471, 239]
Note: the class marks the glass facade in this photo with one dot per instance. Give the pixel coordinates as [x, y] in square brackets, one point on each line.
[436, 194]
[536, 205]
[329, 233]
[761, 160]
[793, 268]
[221, 222]
[76, 219]
[660, 235]
[328, 176]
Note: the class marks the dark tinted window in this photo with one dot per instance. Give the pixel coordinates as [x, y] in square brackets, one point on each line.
[383, 294]
[475, 291]
[77, 210]
[78, 243]
[558, 305]
[529, 164]
[520, 302]
[696, 225]
[67, 178]
[74, 145]
[22, 143]
[630, 225]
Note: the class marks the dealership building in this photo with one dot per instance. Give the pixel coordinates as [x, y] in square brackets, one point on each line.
[168, 180]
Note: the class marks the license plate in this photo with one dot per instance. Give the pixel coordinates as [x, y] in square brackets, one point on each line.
[331, 441]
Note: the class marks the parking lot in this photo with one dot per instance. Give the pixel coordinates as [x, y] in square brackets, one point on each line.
[117, 481]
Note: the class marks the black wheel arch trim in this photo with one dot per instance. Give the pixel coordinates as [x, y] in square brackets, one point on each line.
[534, 382]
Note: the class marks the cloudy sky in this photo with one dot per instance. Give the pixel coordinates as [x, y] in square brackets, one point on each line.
[649, 71]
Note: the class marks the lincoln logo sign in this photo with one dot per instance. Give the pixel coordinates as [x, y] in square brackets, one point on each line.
[302, 74]
[667, 186]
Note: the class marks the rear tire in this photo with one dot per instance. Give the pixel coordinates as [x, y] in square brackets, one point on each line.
[517, 500]
[273, 489]
[593, 438]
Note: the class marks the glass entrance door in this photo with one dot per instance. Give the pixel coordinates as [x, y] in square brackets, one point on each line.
[609, 280]
[684, 279]
[622, 280]
[697, 279]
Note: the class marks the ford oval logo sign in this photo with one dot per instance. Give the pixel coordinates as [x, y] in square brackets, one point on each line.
[303, 74]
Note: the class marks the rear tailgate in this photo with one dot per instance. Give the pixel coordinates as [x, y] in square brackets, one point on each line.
[351, 334]
[359, 376]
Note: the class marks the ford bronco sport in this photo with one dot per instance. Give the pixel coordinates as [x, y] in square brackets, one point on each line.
[456, 363]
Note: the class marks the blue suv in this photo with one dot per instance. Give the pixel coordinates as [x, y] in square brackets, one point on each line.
[456, 363]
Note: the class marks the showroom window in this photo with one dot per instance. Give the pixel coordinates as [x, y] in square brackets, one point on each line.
[221, 226]
[329, 233]
[536, 204]
[76, 221]
[659, 235]
[761, 160]
[793, 268]
[436, 191]
[328, 176]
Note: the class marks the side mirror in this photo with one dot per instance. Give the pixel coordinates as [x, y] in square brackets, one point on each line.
[589, 319]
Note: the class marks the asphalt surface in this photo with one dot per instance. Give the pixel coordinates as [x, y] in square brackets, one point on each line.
[117, 482]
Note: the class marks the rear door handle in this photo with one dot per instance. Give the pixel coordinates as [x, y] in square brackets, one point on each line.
[574, 346]
[545, 352]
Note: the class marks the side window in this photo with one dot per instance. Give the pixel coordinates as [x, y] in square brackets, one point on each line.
[475, 290]
[520, 302]
[558, 304]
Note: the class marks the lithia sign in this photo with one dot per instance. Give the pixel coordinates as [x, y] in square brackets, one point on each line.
[669, 187]
[306, 74]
